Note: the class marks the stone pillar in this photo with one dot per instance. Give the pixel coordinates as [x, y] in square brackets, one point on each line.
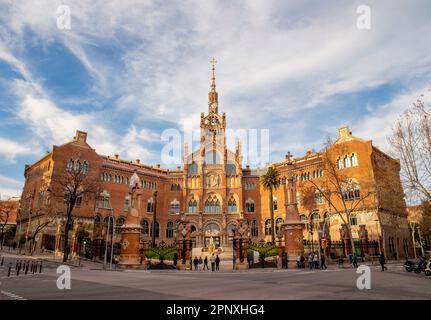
[363, 238]
[241, 245]
[130, 256]
[345, 239]
[184, 245]
[293, 226]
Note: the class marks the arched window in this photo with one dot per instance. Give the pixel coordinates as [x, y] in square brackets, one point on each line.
[174, 207]
[275, 203]
[230, 230]
[354, 160]
[77, 165]
[150, 205]
[144, 224]
[193, 169]
[212, 157]
[231, 205]
[278, 224]
[70, 164]
[231, 169]
[170, 229]
[157, 229]
[315, 218]
[192, 207]
[347, 162]
[212, 205]
[340, 163]
[318, 197]
[303, 218]
[192, 228]
[120, 221]
[85, 167]
[104, 200]
[249, 206]
[268, 227]
[126, 204]
[254, 229]
[353, 220]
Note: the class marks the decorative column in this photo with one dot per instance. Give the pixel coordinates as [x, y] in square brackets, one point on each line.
[184, 245]
[293, 226]
[241, 245]
[345, 240]
[130, 256]
[363, 238]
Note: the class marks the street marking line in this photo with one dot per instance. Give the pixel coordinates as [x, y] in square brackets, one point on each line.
[12, 295]
[307, 272]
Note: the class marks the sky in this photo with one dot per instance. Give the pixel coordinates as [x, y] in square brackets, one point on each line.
[127, 70]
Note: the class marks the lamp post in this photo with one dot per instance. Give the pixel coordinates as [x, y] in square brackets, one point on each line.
[420, 241]
[377, 234]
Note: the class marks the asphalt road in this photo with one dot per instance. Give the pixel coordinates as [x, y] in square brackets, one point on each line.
[87, 283]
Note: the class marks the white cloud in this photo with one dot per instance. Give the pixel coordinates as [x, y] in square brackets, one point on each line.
[10, 187]
[10, 150]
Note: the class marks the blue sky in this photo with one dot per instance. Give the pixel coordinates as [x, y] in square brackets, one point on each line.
[127, 70]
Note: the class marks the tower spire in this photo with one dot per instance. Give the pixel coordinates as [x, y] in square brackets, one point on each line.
[213, 96]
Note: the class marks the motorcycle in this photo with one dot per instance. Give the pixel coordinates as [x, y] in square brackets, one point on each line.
[428, 268]
[417, 267]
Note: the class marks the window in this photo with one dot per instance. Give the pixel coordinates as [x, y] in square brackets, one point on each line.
[268, 227]
[254, 229]
[231, 205]
[157, 229]
[150, 205]
[212, 205]
[340, 163]
[78, 165]
[318, 197]
[192, 207]
[353, 220]
[175, 187]
[303, 218]
[120, 221]
[85, 167]
[354, 160]
[170, 230]
[231, 169]
[278, 224]
[352, 194]
[347, 162]
[193, 169]
[274, 203]
[249, 206]
[144, 224]
[174, 207]
[104, 202]
[70, 164]
[126, 204]
[315, 218]
[78, 201]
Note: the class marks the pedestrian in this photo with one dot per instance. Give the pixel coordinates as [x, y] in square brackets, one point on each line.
[316, 260]
[355, 260]
[298, 261]
[217, 263]
[196, 262]
[341, 262]
[200, 263]
[206, 263]
[302, 261]
[322, 262]
[350, 259]
[213, 262]
[382, 261]
[310, 260]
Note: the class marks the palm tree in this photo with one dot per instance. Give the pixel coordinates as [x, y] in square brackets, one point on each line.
[270, 182]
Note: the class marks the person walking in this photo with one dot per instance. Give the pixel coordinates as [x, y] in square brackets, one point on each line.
[302, 261]
[196, 262]
[217, 263]
[206, 263]
[310, 261]
[316, 260]
[355, 260]
[200, 263]
[213, 259]
[382, 261]
[298, 261]
[350, 259]
[322, 262]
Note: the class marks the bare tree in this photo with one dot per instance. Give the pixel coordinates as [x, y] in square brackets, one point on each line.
[73, 186]
[411, 143]
[7, 208]
[342, 194]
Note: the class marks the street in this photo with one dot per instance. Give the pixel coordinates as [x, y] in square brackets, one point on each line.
[90, 282]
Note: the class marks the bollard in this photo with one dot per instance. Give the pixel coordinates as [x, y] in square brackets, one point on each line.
[16, 265]
[40, 267]
[18, 268]
[2, 260]
[10, 267]
[33, 267]
[25, 268]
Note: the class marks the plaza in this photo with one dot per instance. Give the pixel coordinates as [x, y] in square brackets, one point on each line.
[90, 281]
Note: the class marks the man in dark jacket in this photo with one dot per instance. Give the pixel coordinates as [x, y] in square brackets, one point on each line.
[382, 261]
[217, 263]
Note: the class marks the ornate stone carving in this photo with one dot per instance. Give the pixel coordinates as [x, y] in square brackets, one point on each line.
[212, 180]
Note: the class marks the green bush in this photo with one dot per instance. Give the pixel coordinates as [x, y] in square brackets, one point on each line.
[161, 253]
[265, 249]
